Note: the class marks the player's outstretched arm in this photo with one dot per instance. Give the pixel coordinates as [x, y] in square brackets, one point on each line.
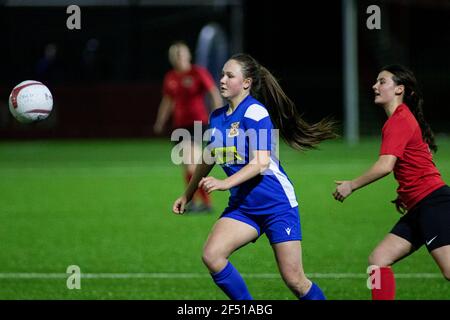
[384, 165]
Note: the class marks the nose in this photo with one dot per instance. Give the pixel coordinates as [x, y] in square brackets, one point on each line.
[374, 87]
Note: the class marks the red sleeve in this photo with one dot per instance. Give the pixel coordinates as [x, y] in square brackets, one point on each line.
[206, 78]
[395, 136]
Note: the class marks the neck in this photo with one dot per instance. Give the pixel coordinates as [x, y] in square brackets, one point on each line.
[391, 107]
[184, 68]
[234, 102]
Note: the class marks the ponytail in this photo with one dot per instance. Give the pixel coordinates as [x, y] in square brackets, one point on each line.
[413, 98]
[294, 130]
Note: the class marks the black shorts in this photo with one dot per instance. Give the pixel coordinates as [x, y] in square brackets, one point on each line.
[428, 222]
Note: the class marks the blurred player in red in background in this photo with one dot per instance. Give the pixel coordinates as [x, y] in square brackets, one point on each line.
[184, 91]
[423, 197]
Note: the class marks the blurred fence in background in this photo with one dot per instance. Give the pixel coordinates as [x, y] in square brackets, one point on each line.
[106, 78]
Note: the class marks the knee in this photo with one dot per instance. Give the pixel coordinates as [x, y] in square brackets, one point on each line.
[208, 256]
[376, 258]
[296, 282]
[212, 259]
[373, 259]
[446, 274]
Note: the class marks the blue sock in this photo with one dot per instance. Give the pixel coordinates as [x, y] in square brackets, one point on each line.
[231, 282]
[314, 293]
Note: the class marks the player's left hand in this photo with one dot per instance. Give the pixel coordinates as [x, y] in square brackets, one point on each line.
[400, 206]
[209, 184]
[343, 190]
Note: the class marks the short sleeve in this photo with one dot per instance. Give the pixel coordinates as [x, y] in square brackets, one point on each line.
[395, 136]
[258, 127]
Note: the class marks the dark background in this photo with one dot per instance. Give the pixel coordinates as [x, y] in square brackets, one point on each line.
[115, 92]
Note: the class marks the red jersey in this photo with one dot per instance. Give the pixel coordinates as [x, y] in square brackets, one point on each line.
[414, 169]
[187, 90]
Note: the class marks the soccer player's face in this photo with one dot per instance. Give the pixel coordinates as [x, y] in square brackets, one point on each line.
[385, 88]
[180, 58]
[232, 82]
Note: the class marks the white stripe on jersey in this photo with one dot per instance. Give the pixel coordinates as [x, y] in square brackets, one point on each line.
[285, 183]
[256, 112]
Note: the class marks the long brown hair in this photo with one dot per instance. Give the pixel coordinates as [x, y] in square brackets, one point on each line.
[413, 98]
[293, 128]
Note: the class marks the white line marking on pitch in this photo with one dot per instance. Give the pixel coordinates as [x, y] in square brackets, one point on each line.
[202, 275]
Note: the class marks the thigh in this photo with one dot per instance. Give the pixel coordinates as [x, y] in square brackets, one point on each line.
[409, 228]
[390, 250]
[229, 234]
[289, 258]
[442, 257]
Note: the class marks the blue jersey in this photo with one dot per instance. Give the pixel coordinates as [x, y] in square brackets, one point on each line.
[233, 138]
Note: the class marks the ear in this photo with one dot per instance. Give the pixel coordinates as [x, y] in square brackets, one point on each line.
[399, 90]
[247, 83]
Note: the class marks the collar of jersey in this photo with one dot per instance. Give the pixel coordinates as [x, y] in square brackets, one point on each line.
[240, 104]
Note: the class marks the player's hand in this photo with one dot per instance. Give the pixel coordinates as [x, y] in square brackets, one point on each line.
[343, 190]
[400, 206]
[209, 184]
[179, 205]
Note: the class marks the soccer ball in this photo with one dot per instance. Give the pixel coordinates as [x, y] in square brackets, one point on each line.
[30, 101]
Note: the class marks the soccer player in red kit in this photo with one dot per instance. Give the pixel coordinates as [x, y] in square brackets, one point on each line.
[184, 90]
[423, 197]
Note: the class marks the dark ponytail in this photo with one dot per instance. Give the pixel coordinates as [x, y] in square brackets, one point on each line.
[413, 99]
[293, 129]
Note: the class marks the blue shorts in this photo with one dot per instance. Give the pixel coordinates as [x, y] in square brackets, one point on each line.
[279, 227]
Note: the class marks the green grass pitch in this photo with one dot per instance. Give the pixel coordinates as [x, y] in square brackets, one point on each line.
[105, 206]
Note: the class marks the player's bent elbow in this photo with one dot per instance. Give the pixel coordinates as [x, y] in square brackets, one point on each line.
[388, 170]
[262, 164]
[386, 164]
[385, 169]
[265, 165]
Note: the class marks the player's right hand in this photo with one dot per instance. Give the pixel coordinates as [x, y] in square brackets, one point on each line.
[179, 205]
[343, 190]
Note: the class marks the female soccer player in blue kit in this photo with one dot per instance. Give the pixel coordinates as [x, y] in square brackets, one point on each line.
[262, 197]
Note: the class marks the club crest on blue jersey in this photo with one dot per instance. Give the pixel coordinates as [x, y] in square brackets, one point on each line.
[234, 130]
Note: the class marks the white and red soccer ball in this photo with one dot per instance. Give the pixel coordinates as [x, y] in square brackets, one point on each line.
[30, 101]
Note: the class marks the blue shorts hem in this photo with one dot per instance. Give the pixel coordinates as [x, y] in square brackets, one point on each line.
[255, 226]
[277, 227]
[284, 240]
